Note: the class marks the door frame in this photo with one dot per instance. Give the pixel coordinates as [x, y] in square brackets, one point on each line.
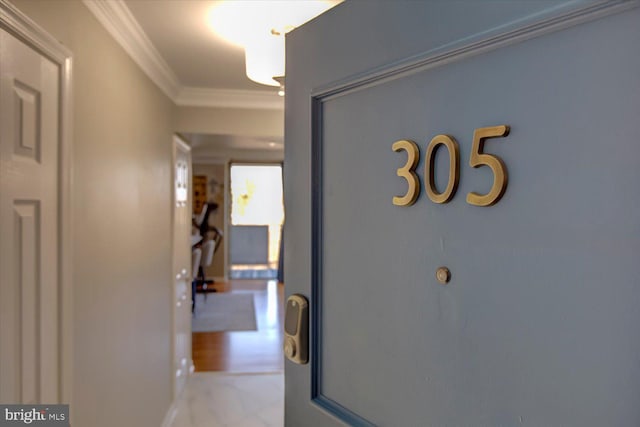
[177, 143]
[26, 30]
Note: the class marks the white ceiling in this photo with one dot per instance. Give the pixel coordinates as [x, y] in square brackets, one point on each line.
[180, 31]
[207, 148]
[171, 40]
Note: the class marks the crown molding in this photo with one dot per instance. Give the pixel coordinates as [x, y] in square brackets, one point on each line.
[227, 98]
[117, 19]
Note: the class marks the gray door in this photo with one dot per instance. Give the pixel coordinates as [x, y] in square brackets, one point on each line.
[538, 321]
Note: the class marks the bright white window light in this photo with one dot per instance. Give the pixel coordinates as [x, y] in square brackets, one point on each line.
[259, 27]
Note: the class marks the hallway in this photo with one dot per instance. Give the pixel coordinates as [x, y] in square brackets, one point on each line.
[246, 351]
[239, 377]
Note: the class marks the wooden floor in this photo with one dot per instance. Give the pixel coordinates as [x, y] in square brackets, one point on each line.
[246, 351]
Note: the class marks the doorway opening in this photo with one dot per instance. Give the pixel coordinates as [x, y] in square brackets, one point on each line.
[257, 215]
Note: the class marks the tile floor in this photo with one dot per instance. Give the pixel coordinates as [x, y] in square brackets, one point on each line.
[212, 399]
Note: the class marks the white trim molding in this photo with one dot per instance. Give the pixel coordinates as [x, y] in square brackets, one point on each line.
[17, 22]
[170, 416]
[117, 19]
[226, 98]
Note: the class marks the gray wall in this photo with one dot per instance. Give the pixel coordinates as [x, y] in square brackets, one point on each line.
[122, 255]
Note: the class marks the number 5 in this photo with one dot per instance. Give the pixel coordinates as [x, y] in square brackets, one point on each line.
[478, 158]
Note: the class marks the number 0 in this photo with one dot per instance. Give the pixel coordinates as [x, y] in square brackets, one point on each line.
[454, 168]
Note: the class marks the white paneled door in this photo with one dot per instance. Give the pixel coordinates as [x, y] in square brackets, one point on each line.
[33, 355]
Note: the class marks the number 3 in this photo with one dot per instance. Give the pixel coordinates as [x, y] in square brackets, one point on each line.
[408, 172]
[478, 158]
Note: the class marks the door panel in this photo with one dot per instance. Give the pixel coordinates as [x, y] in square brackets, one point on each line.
[537, 324]
[30, 285]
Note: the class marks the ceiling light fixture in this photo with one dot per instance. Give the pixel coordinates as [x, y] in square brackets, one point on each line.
[259, 27]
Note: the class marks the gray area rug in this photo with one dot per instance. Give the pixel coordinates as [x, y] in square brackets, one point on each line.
[224, 312]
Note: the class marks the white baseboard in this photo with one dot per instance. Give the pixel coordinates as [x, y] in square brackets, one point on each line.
[173, 409]
[171, 414]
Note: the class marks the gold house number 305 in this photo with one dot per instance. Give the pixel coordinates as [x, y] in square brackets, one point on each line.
[477, 159]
